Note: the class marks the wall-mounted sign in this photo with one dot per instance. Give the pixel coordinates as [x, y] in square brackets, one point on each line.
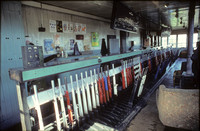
[83, 28]
[52, 25]
[59, 26]
[64, 25]
[70, 27]
[79, 28]
[95, 39]
[79, 37]
[123, 18]
[76, 28]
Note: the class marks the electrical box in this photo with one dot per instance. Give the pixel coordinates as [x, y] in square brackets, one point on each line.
[32, 56]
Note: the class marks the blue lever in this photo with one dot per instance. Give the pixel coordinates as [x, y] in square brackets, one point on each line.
[106, 83]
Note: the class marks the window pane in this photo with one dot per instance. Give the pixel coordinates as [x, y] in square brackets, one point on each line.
[164, 41]
[172, 40]
[195, 39]
[182, 40]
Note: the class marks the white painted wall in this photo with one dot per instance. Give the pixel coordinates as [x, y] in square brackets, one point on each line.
[32, 20]
[136, 38]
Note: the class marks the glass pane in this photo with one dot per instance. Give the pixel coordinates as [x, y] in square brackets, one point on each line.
[182, 40]
[164, 41]
[172, 40]
[195, 39]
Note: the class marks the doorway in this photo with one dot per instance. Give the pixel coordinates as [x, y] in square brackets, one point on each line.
[108, 44]
[123, 36]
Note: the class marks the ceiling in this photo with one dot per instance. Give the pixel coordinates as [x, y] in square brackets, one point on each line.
[168, 13]
[97, 8]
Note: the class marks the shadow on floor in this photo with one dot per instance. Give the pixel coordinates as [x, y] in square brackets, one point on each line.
[16, 127]
[148, 118]
[174, 129]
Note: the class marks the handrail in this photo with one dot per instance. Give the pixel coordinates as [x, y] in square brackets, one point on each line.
[22, 75]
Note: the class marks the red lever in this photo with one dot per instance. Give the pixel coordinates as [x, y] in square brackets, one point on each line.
[100, 91]
[131, 77]
[103, 88]
[141, 67]
[69, 107]
[123, 79]
[109, 86]
[149, 63]
[127, 76]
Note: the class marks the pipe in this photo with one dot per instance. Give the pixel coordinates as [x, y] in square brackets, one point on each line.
[190, 37]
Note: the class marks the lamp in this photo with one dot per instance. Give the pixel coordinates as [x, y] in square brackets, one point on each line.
[166, 5]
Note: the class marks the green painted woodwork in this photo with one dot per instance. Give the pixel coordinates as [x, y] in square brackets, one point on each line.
[51, 70]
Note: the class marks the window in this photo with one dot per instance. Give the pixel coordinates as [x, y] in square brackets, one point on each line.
[172, 40]
[195, 39]
[164, 41]
[182, 40]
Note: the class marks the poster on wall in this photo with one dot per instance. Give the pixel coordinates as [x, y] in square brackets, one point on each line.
[95, 39]
[52, 25]
[64, 25]
[83, 28]
[70, 27]
[71, 43]
[59, 26]
[79, 28]
[57, 40]
[48, 45]
[76, 27]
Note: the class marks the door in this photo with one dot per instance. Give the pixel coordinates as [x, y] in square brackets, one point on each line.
[108, 44]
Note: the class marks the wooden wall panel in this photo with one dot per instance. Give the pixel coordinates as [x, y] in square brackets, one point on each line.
[11, 41]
